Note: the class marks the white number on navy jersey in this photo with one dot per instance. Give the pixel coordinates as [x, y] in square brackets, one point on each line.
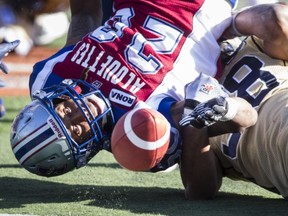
[246, 77]
[244, 80]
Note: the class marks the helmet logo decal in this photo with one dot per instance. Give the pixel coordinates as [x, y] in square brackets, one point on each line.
[33, 143]
[122, 98]
[58, 132]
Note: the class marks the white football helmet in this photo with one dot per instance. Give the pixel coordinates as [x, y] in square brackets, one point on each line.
[39, 139]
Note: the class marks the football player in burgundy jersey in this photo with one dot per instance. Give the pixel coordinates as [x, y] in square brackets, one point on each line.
[139, 56]
[142, 56]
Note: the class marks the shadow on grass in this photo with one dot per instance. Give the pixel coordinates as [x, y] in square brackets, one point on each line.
[14, 109]
[106, 165]
[18, 192]
[6, 120]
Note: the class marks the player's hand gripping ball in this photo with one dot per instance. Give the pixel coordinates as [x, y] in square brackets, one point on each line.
[140, 139]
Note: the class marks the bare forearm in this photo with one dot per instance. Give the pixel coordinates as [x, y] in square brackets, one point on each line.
[85, 17]
[275, 42]
[199, 172]
[266, 21]
[246, 116]
[269, 22]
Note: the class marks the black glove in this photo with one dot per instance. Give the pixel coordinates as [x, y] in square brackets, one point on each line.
[201, 89]
[210, 112]
[5, 48]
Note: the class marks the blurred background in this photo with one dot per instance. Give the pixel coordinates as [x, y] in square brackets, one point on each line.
[33, 22]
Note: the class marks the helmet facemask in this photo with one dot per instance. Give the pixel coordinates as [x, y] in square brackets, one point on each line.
[100, 126]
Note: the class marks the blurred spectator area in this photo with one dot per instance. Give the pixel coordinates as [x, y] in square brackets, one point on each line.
[33, 22]
[38, 24]
[41, 26]
[16, 82]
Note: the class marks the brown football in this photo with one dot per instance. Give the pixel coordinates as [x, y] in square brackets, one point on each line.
[140, 139]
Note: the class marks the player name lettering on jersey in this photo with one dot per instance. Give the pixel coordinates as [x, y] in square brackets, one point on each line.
[108, 68]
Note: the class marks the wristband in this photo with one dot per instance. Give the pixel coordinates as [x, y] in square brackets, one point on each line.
[232, 105]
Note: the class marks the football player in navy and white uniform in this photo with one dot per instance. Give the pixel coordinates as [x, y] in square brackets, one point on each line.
[257, 72]
[142, 56]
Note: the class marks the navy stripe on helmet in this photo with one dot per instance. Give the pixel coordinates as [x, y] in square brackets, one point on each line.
[34, 142]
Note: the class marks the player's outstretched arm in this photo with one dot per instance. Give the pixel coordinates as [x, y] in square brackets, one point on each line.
[206, 103]
[200, 170]
[201, 173]
[269, 22]
[86, 15]
[246, 116]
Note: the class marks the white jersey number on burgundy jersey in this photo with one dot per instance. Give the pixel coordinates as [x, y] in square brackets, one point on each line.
[166, 42]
